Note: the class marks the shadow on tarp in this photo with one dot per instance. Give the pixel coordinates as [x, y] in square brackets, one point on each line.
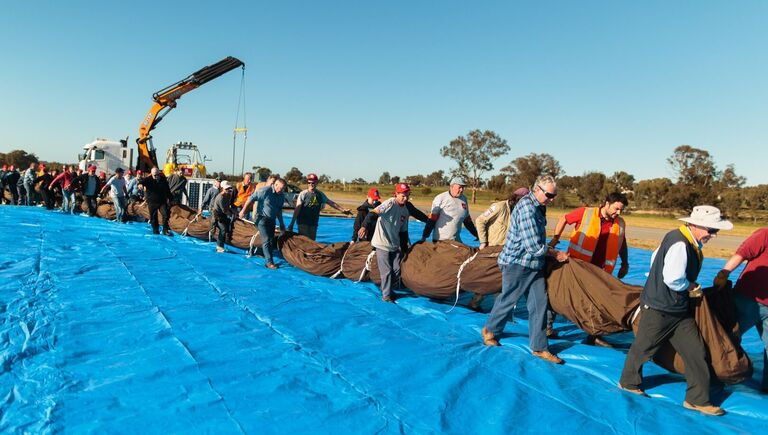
[104, 327]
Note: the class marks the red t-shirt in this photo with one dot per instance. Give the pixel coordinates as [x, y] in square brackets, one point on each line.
[598, 258]
[753, 281]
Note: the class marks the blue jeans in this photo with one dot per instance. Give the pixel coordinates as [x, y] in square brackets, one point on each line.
[517, 281]
[267, 233]
[67, 201]
[119, 203]
[752, 313]
[30, 197]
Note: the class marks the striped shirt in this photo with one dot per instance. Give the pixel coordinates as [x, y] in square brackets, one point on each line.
[526, 241]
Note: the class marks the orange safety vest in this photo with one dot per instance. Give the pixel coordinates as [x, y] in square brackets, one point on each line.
[584, 238]
[243, 192]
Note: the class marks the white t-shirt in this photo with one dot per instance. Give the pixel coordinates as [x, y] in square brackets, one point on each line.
[393, 217]
[116, 186]
[450, 213]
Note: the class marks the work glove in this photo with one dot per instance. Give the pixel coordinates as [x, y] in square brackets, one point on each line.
[623, 270]
[695, 291]
[721, 280]
[554, 241]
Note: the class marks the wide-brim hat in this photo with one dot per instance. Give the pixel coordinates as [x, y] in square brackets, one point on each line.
[709, 217]
[225, 185]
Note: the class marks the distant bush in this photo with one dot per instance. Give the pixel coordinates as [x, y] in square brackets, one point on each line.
[426, 191]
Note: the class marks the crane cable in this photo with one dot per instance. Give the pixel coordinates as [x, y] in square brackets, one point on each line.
[237, 129]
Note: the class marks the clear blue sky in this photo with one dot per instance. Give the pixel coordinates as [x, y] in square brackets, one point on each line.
[352, 89]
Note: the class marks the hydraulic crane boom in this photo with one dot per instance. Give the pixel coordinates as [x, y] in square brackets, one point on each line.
[165, 101]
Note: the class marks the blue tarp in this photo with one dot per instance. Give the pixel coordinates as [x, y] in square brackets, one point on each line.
[105, 327]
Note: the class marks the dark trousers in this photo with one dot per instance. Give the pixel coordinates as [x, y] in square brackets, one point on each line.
[655, 329]
[389, 270]
[92, 202]
[267, 233]
[14, 193]
[47, 197]
[154, 208]
[517, 281]
[223, 223]
[308, 231]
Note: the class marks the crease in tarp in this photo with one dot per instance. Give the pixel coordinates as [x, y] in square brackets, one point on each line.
[169, 327]
[299, 346]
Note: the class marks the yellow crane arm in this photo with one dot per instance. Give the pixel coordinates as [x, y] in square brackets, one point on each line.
[165, 101]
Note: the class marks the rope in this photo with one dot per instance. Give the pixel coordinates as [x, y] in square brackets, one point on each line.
[635, 314]
[186, 230]
[341, 266]
[458, 278]
[243, 129]
[250, 245]
[367, 267]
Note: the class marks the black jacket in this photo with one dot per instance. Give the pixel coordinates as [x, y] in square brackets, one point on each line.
[46, 179]
[362, 212]
[11, 178]
[81, 183]
[157, 191]
[177, 184]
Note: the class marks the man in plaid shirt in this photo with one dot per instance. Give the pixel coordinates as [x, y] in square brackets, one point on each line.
[522, 263]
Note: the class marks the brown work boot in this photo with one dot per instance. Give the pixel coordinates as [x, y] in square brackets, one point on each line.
[637, 391]
[551, 333]
[388, 299]
[594, 340]
[548, 356]
[489, 339]
[705, 409]
[474, 304]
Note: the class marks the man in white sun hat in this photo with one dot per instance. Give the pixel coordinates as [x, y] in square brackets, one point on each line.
[665, 313]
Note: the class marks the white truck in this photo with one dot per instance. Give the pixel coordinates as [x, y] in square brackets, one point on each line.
[106, 155]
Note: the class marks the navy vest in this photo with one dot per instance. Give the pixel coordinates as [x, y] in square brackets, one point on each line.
[656, 294]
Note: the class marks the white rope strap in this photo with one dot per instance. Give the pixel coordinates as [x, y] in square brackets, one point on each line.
[635, 314]
[341, 266]
[186, 230]
[250, 245]
[458, 278]
[367, 267]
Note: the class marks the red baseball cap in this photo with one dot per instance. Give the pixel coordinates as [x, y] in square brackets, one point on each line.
[92, 168]
[312, 178]
[373, 193]
[402, 188]
[139, 172]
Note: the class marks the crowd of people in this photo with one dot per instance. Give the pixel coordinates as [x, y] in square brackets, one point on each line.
[517, 225]
[68, 188]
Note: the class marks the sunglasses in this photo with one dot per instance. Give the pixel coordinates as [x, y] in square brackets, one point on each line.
[712, 231]
[547, 194]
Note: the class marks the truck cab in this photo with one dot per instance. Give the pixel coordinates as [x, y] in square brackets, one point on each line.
[107, 155]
